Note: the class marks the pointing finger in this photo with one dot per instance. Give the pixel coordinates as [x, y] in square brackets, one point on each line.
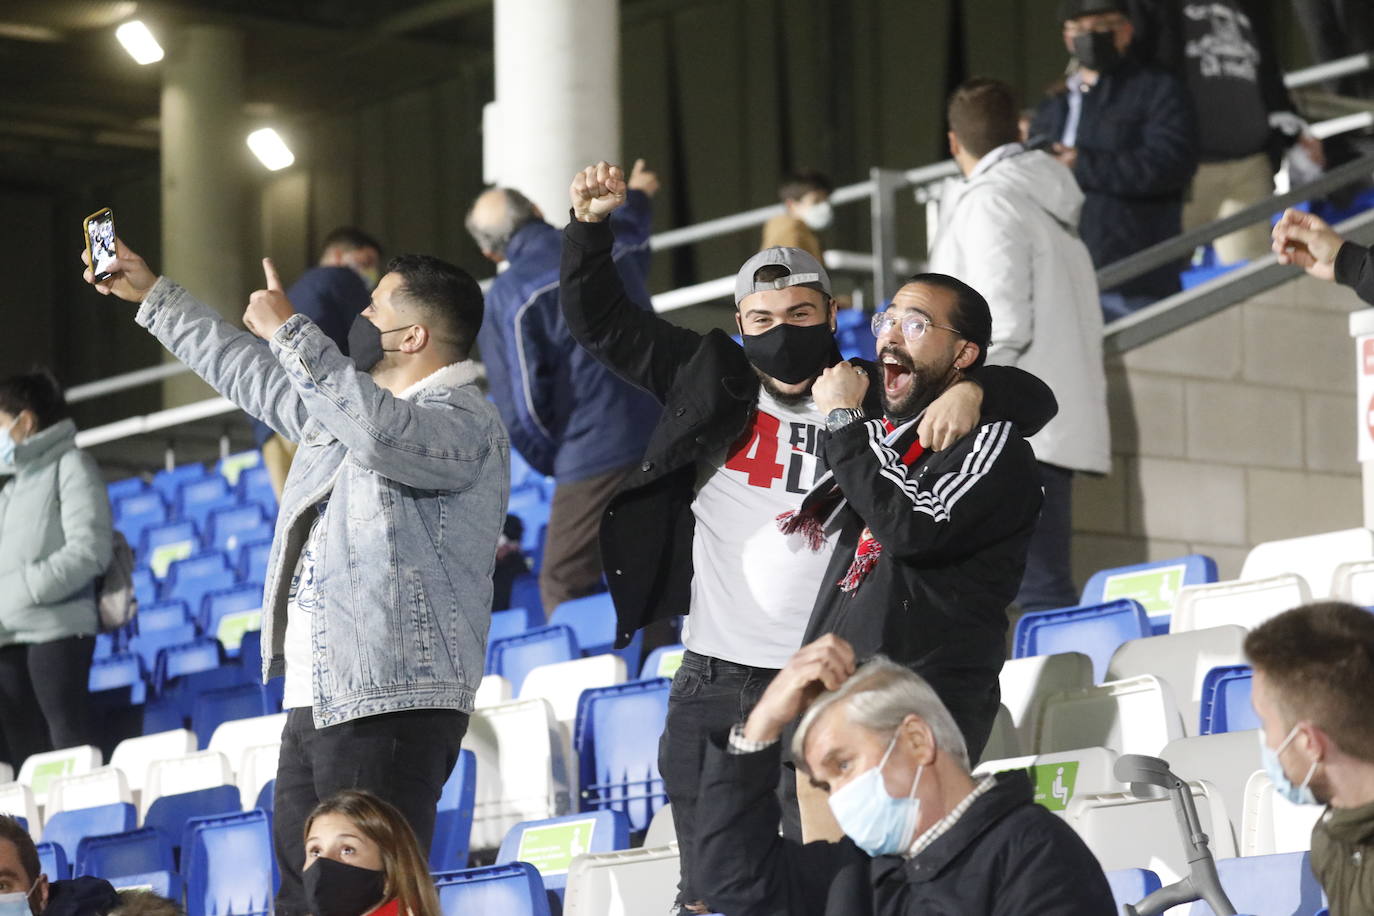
[270, 270]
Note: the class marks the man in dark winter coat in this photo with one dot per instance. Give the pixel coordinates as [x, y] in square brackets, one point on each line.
[923, 836]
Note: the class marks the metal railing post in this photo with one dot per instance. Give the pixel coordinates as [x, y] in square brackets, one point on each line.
[883, 220]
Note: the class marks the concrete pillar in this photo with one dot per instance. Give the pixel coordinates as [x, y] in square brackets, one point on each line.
[557, 105]
[203, 159]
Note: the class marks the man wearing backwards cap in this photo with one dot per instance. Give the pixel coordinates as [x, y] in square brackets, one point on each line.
[693, 530]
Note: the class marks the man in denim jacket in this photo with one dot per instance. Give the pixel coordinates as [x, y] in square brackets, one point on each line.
[378, 589]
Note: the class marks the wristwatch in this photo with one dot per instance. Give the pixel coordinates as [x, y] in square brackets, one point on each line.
[841, 417]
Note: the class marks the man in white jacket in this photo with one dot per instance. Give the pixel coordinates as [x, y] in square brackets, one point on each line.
[1010, 230]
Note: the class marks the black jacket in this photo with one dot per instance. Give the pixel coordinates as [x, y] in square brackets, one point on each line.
[709, 392]
[954, 528]
[1006, 856]
[1137, 151]
[1355, 268]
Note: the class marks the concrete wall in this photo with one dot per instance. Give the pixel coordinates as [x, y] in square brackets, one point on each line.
[1236, 430]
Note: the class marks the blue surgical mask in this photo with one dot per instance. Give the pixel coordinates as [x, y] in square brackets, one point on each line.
[16, 904]
[878, 824]
[1298, 795]
[7, 444]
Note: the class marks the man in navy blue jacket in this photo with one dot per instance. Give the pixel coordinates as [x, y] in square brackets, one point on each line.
[1128, 133]
[568, 415]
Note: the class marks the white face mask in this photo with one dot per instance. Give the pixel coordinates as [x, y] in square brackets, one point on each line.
[819, 215]
[17, 903]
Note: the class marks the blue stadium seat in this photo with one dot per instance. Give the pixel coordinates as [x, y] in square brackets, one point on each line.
[196, 499]
[133, 515]
[129, 486]
[1154, 585]
[616, 739]
[145, 587]
[193, 578]
[515, 656]
[150, 644]
[550, 845]
[163, 883]
[119, 855]
[255, 486]
[250, 656]
[511, 890]
[524, 592]
[267, 796]
[1132, 885]
[231, 602]
[185, 658]
[1276, 885]
[252, 560]
[228, 528]
[453, 820]
[68, 828]
[164, 615]
[663, 662]
[104, 646]
[163, 544]
[53, 861]
[214, 707]
[168, 482]
[122, 671]
[228, 865]
[856, 341]
[163, 714]
[172, 813]
[231, 467]
[532, 507]
[1095, 630]
[592, 620]
[522, 476]
[1226, 701]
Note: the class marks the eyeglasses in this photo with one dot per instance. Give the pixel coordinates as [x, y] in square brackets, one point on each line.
[914, 324]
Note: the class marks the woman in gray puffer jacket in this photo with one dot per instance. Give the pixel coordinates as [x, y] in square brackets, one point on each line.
[55, 540]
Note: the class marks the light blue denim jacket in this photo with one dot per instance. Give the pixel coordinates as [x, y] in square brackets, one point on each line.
[416, 488]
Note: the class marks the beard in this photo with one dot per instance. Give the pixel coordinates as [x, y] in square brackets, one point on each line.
[925, 386]
[786, 398]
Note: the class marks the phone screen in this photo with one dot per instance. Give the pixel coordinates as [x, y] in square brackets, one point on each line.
[100, 235]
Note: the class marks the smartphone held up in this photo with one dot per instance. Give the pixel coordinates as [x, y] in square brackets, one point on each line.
[100, 243]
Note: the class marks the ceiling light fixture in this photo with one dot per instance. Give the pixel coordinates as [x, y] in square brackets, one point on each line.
[139, 42]
[270, 149]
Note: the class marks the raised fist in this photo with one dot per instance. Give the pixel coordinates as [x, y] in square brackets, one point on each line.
[596, 191]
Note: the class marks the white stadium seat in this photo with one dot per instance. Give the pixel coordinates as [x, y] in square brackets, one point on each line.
[1181, 661]
[17, 799]
[522, 773]
[1128, 832]
[1063, 776]
[1354, 582]
[234, 737]
[1271, 824]
[661, 831]
[1003, 741]
[1314, 557]
[562, 683]
[258, 767]
[200, 770]
[1136, 716]
[492, 690]
[1244, 603]
[102, 786]
[41, 769]
[1026, 682]
[135, 755]
[1225, 761]
[627, 883]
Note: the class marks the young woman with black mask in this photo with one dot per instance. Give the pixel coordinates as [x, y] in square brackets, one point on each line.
[362, 859]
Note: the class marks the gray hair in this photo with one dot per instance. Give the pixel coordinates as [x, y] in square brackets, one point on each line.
[879, 697]
[493, 237]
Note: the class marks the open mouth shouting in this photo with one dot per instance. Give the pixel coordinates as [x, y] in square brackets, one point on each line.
[898, 373]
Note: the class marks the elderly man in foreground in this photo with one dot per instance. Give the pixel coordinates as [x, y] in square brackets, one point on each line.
[922, 834]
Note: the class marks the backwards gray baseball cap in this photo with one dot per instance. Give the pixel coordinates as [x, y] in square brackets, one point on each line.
[802, 270]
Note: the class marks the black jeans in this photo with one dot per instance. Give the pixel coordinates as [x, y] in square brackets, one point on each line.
[1048, 580]
[44, 702]
[709, 696]
[401, 757]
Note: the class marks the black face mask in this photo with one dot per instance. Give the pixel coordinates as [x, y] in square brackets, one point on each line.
[1097, 51]
[365, 343]
[335, 889]
[791, 353]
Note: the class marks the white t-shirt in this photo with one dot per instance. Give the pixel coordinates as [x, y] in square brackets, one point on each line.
[302, 600]
[753, 587]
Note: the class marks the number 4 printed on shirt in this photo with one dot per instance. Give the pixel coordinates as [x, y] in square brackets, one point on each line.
[756, 452]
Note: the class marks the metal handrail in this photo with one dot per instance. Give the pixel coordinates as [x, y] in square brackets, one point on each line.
[1181, 246]
[117, 383]
[1332, 69]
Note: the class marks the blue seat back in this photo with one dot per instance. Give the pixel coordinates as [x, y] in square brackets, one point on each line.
[592, 620]
[250, 655]
[68, 828]
[53, 861]
[453, 820]
[550, 845]
[121, 670]
[228, 528]
[252, 560]
[220, 604]
[136, 513]
[511, 890]
[196, 499]
[164, 615]
[151, 644]
[663, 662]
[168, 482]
[214, 707]
[1275, 885]
[1226, 700]
[1095, 630]
[129, 486]
[170, 813]
[231, 467]
[1154, 585]
[524, 592]
[184, 658]
[616, 739]
[163, 883]
[118, 855]
[145, 587]
[267, 796]
[516, 656]
[227, 861]
[1131, 885]
[163, 544]
[255, 486]
[532, 507]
